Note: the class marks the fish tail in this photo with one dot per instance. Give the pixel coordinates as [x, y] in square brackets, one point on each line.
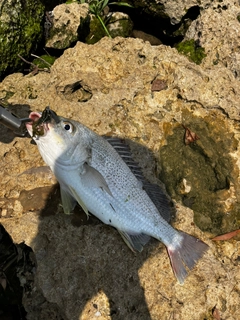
[185, 255]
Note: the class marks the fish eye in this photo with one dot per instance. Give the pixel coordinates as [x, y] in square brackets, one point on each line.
[68, 126]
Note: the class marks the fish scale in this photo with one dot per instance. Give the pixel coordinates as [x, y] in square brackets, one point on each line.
[103, 178]
[139, 200]
[132, 193]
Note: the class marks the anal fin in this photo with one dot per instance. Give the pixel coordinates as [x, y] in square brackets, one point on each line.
[135, 242]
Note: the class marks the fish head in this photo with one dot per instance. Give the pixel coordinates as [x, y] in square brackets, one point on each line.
[58, 138]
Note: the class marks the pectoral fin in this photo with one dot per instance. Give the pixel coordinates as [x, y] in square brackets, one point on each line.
[68, 202]
[79, 200]
[93, 178]
[135, 242]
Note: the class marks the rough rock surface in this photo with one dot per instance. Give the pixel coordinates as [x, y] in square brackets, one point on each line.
[20, 31]
[68, 19]
[217, 29]
[128, 88]
[174, 9]
[72, 22]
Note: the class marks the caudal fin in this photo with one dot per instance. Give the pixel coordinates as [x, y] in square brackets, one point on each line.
[185, 255]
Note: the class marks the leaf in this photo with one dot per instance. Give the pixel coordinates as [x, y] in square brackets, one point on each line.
[189, 136]
[123, 4]
[216, 313]
[105, 3]
[227, 236]
[158, 85]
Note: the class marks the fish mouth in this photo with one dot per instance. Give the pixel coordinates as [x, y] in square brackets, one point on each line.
[40, 122]
[36, 127]
[48, 115]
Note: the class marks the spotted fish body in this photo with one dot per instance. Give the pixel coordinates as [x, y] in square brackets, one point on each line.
[91, 172]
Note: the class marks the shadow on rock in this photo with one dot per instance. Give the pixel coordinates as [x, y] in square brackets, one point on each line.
[85, 270]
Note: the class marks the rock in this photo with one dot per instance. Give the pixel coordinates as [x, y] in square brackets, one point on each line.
[67, 22]
[20, 30]
[71, 22]
[117, 24]
[120, 24]
[217, 29]
[146, 37]
[149, 95]
[173, 9]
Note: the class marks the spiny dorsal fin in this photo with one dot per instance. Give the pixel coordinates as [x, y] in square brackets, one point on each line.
[154, 191]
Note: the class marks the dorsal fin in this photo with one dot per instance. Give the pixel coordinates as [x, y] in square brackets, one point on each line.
[154, 191]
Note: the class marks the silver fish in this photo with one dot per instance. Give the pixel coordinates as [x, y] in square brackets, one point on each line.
[91, 172]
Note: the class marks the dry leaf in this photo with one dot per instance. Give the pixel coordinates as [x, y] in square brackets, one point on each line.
[158, 85]
[227, 236]
[216, 313]
[189, 136]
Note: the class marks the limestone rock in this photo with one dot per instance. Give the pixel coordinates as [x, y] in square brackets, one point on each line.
[217, 29]
[120, 24]
[68, 20]
[20, 32]
[117, 24]
[175, 10]
[146, 37]
[145, 94]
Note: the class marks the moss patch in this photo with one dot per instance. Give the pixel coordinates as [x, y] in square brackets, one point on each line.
[20, 32]
[96, 31]
[44, 62]
[190, 49]
[118, 25]
[204, 167]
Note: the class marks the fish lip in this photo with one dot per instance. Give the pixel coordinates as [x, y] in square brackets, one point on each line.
[51, 115]
[34, 117]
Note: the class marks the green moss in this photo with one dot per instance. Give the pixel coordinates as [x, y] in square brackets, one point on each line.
[190, 49]
[153, 9]
[207, 167]
[41, 64]
[8, 95]
[69, 37]
[96, 31]
[20, 32]
[117, 26]
[121, 26]
[72, 1]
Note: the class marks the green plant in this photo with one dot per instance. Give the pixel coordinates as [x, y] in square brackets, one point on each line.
[97, 7]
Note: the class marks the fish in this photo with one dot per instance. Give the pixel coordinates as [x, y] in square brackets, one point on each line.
[97, 173]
